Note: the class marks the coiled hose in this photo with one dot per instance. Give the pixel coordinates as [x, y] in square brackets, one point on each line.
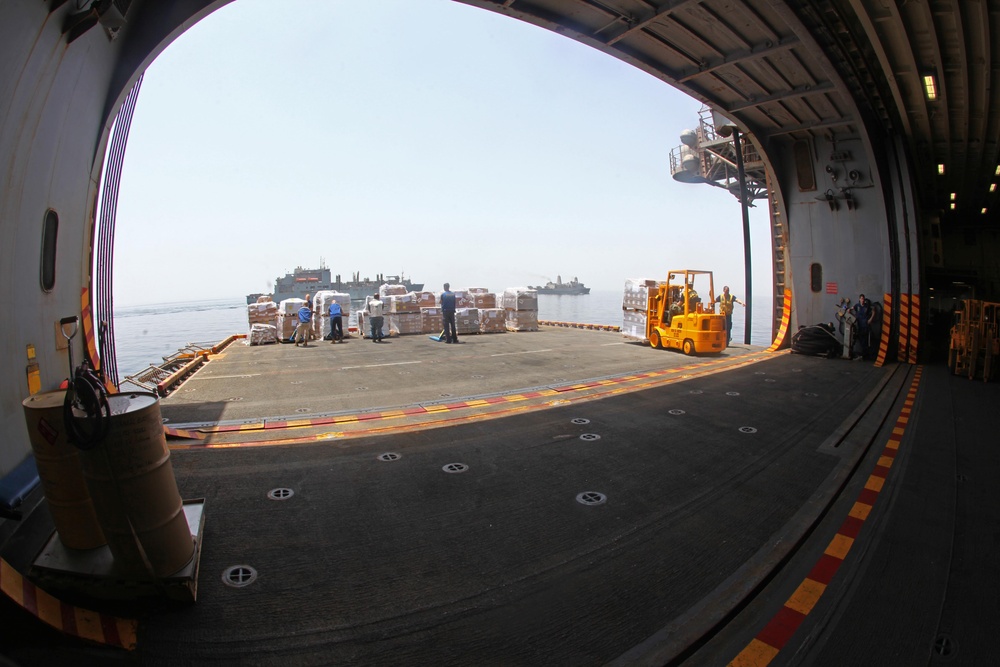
[86, 411]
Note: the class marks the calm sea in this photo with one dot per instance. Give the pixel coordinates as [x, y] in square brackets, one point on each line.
[146, 334]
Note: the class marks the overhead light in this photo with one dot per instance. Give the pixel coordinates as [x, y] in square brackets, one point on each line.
[953, 206]
[997, 172]
[983, 211]
[993, 187]
[941, 169]
[952, 196]
[930, 87]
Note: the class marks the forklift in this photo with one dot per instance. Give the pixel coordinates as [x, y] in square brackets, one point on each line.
[677, 317]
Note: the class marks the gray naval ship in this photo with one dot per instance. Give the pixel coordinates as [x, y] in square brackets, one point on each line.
[301, 282]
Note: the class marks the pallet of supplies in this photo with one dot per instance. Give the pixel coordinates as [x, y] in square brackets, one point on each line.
[484, 299]
[466, 321]
[390, 290]
[403, 324]
[402, 303]
[520, 306]
[492, 320]
[322, 301]
[288, 317]
[262, 334]
[634, 325]
[636, 295]
[430, 320]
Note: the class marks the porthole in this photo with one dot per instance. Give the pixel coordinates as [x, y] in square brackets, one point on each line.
[50, 234]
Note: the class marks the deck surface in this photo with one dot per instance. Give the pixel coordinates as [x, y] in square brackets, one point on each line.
[718, 483]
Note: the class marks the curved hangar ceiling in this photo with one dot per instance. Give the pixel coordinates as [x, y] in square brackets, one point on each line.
[922, 69]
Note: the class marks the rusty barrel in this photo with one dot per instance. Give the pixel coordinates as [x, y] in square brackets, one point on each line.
[131, 481]
[60, 472]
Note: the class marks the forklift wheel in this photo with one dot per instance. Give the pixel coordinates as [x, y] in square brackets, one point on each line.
[654, 340]
[688, 347]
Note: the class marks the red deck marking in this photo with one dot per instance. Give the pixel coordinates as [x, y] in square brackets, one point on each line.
[825, 568]
[851, 527]
[779, 630]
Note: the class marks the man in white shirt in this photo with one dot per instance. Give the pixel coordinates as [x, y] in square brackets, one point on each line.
[375, 316]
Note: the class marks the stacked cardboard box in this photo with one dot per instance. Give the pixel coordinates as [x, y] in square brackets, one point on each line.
[634, 303]
[408, 302]
[521, 308]
[484, 300]
[426, 299]
[466, 320]
[261, 334]
[288, 317]
[405, 323]
[390, 290]
[430, 320]
[492, 320]
[262, 312]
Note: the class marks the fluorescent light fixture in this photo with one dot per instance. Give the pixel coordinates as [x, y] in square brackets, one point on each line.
[953, 206]
[941, 169]
[993, 187]
[983, 211]
[952, 196]
[930, 87]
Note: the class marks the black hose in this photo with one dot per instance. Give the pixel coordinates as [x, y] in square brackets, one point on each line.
[86, 394]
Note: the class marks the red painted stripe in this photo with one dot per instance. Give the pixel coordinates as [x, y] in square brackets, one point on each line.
[781, 628]
[825, 568]
[851, 527]
[868, 497]
[110, 627]
[881, 471]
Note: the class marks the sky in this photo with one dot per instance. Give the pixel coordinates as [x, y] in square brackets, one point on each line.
[422, 137]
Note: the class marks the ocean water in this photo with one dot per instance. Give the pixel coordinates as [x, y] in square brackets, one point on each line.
[146, 334]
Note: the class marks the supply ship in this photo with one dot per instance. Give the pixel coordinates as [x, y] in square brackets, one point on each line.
[301, 282]
[559, 287]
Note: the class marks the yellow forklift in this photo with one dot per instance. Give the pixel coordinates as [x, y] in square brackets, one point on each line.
[677, 317]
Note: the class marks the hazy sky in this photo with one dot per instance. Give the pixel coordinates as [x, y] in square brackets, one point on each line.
[417, 136]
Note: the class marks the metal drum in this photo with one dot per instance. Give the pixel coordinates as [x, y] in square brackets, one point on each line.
[60, 472]
[134, 490]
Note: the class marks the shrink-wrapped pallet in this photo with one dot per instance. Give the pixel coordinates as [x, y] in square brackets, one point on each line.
[426, 299]
[405, 323]
[637, 291]
[262, 312]
[264, 298]
[492, 320]
[430, 320]
[477, 290]
[466, 320]
[261, 334]
[390, 290]
[402, 303]
[634, 325]
[521, 320]
[518, 298]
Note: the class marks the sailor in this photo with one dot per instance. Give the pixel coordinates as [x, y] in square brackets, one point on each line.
[305, 324]
[726, 302]
[375, 316]
[336, 324]
[448, 314]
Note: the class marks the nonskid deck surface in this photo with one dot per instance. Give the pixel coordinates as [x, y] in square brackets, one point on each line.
[566, 535]
[249, 393]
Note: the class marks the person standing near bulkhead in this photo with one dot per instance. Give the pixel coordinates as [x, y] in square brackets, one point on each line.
[726, 301]
[305, 327]
[336, 323]
[375, 316]
[448, 314]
